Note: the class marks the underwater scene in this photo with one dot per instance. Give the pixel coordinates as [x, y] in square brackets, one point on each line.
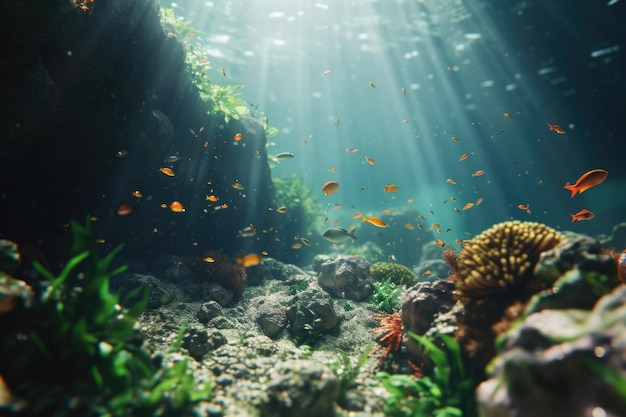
[279, 208]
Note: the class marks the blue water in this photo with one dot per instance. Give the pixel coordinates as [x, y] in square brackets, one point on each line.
[331, 77]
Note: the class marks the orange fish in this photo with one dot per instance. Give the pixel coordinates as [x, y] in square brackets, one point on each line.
[137, 194]
[556, 128]
[249, 260]
[587, 180]
[238, 137]
[441, 243]
[468, 206]
[525, 207]
[177, 207]
[296, 246]
[369, 160]
[330, 187]
[435, 225]
[507, 115]
[356, 215]
[211, 198]
[386, 211]
[478, 201]
[237, 186]
[375, 221]
[463, 157]
[409, 226]
[124, 209]
[167, 171]
[478, 173]
[208, 259]
[451, 181]
[584, 214]
[391, 188]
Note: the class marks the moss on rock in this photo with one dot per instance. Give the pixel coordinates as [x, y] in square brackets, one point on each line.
[396, 273]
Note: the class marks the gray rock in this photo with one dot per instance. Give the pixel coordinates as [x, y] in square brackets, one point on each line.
[258, 274]
[301, 388]
[310, 315]
[347, 277]
[160, 292]
[561, 363]
[262, 345]
[208, 311]
[282, 271]
[200, 342]
[214, 292]
[422, 303]
[318, 260]
[269, 315]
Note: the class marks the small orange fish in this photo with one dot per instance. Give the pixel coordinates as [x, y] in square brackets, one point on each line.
[390, 188]
[237, 186]
[587, 180]
[409, 226]
[370, 160]
[435, 225]
[451, 181]
[525, 207]
[211, 198]
[249, 260]
[357, 215]
[296, 246]
[282, 210]
[330, 187]
[208, 259]
[468, 206]
[441, 243]
[374, 220]
[387, 211]
[478, 201]
[238, 137]
[167, 171]
[584, 214]
[463, 157]
[137, 194]
[507, 115]
[333, 170]
[556, 128]
[124, 209]
[478, 173]
[177, 207]
[427, 272]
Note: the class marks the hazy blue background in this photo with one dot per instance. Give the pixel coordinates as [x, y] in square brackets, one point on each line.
[463, 65]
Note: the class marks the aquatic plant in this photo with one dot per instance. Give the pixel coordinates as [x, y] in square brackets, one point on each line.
[448, 391]
[346, 373]
[77, 352]
[396, 273]
[386, 296]
[303, 209]
[388, 334]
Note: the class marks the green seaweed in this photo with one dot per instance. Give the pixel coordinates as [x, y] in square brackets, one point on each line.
[447, 392]
[84, 353]
[347, 373]
[386, 296]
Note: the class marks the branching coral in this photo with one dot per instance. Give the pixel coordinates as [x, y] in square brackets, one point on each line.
[495, 280]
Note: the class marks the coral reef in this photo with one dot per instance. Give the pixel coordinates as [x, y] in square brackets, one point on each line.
[388, 334]
[495, 271]
[396, 273]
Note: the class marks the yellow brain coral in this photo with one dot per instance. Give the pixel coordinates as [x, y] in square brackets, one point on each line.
[502, 257]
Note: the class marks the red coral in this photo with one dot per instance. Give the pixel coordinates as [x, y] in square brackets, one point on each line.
[388, 334]
[620, 263]
[452, 259]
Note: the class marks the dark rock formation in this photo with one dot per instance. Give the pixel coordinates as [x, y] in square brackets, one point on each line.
[346, 277]
[93, 102]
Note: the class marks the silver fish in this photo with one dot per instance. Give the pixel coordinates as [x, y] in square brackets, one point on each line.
[283, 156]
[172, 158]
[338, 234]
[247, 232]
